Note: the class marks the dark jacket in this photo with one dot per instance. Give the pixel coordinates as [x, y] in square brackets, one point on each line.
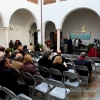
[45, 62]
[30, 68]
[85, 63]
[9, 78]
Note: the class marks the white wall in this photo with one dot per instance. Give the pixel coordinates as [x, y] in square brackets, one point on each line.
[20, 21]
[2, 35]
[79, 18]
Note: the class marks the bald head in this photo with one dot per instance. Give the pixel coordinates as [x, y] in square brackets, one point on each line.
[18, 57]
[58, 52]
[82, 54]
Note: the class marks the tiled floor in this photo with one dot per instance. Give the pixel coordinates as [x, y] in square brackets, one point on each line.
[89, 94]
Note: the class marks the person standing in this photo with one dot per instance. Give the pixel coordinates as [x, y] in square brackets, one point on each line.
[62, 44]
[69, 45]
[77, 43]
[66, 44]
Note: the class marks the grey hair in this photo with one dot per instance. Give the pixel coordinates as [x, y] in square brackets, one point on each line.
[46, 54]
[83, 54]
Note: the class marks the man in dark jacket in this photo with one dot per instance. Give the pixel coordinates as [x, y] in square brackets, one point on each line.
[8, 77]
[82, 61]
[59, 54]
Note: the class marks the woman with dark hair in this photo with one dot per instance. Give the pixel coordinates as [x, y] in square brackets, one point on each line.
[25, 50]
[7, 54]
[11, 44]
[9, 78]
[69, 45]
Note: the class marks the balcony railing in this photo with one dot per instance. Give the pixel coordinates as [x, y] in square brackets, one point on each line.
[33, 1]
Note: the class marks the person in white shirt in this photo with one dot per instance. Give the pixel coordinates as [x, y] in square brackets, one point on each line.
[77, 43]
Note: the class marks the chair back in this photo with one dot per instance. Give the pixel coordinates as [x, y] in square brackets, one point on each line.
[39, 78]
[66, 56]
[70, 66]
[74, 57]
[28, 78]
[81, 67]
[56, 83]
[10, 93]
[92, 62]
[70, 74]
[44, 71]
[95, 59]
[27, 75]
[56, 74]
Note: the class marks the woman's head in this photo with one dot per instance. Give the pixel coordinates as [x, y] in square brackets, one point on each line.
[58, 60]
[27, 58]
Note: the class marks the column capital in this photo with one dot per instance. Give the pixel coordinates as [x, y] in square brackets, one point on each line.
[38, 30]
[6, 28]
[58, 30]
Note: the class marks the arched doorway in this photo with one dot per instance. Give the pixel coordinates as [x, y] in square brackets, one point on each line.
[80, 18]
[20, 21]
[33, 36]
[51, 34]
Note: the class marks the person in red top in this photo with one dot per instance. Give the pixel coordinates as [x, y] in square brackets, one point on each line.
[92, 52]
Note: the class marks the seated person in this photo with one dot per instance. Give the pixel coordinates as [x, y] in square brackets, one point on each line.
[82, 61]
[9, 78]
[17, 63]
[57, 64]
[28, 66]
[59, 54]
[46, 62]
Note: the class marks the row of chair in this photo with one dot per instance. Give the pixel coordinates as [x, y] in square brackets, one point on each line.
[54, 88]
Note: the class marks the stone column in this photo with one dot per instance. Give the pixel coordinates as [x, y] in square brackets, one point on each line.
[39, 35]
[6, 36]
[58, 39]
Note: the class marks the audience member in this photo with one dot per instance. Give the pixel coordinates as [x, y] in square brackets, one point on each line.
[25, 50]
[57, 64]
[82, 61]
[37, 47]
[7, 54]
[17, 63]
[59, 54]
[45, 61]
[29, 67]
[20, 48]
[9, 78]
[13, 54]
[31, 47]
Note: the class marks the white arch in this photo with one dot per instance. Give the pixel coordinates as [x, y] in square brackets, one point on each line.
[2, 19]
[62, 21]
[30, 25]
[45, 23]
[29, 12]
